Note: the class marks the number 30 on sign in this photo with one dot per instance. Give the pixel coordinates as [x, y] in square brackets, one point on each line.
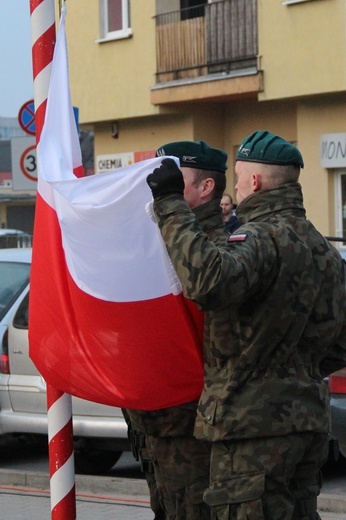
[24, 163]
[28, 163]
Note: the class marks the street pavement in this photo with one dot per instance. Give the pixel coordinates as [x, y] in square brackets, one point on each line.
[30, 506]
[120, 495]
[24, 495]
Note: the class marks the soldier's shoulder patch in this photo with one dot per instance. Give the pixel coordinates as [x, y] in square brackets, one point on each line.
[240, 237]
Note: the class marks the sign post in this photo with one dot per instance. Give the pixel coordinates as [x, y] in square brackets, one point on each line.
[60, 429]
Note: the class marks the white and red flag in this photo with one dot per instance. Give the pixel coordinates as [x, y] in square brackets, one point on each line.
[106, 320]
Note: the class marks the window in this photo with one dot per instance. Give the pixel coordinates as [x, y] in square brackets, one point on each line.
[114, 19]
[192, 8]
[20, 320]
[14, 277]
[340, 204]
[288, 2]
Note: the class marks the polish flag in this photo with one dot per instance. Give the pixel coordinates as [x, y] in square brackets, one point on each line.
[107, 318]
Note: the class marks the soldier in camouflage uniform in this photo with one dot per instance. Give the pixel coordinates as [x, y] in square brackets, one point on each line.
[163, 439]
[275, 302]
[140, 452]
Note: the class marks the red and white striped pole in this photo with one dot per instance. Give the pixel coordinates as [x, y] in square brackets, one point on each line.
[59, 404]
[61, 461]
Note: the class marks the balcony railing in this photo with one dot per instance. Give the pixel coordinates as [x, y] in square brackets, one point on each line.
[15, 240]
[218, 37]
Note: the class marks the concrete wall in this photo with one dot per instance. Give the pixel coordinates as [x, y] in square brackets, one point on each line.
[111, 80]
[302, 47]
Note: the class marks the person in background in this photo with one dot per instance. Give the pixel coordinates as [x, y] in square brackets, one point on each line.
[274, 298]
[163, 439]
[228, 213]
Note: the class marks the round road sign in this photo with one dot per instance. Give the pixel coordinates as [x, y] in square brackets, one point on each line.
[28, 163]
[26, 117]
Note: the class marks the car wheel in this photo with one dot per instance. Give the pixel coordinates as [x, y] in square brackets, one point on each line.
[93, 461]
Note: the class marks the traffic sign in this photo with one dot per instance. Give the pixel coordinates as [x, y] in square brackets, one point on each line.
[26, 117]
[28, 163]
[24, 163]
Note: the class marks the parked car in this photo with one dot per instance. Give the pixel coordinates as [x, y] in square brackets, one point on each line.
[100, 432]
[337, 387]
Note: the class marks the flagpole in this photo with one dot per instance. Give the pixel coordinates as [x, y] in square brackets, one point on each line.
[59, 404]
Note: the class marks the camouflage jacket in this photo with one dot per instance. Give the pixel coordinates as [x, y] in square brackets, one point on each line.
[275, 302]
[180, 420]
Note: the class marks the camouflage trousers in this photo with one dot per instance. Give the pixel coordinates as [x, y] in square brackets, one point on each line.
[148, 470]
[181, 466]
[275, 478]
[139, 450]
[180, 462]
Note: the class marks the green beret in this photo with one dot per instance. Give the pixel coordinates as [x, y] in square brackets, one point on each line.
[268, 148]
[196, 155]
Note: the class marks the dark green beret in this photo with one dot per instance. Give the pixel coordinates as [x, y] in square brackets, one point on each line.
[268, 148]
[196, 155]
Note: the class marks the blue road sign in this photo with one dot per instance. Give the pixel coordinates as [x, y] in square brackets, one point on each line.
[26, 117]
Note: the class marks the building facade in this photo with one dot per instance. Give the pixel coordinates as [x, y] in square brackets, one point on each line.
[144, 73]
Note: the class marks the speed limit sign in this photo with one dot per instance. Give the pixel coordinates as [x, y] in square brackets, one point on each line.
[28, 163]
[24, 163]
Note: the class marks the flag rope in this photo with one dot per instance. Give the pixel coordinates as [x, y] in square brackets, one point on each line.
[59, 404]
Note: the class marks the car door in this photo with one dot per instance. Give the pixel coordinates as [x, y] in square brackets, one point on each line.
[27, 389]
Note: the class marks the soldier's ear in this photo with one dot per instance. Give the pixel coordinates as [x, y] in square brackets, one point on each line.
[256, 182]
[208, 186]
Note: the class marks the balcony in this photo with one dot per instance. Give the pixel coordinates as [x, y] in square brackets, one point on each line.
[197, 45]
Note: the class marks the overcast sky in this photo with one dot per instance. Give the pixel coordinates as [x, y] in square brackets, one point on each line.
[16, 84]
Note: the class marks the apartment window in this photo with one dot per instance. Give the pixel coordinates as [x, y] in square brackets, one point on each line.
[192, 8]
[288, 2]
[115, 19]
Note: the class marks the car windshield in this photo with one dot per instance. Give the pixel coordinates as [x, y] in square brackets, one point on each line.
[14, 276]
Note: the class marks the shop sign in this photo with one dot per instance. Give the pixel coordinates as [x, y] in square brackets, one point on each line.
[333, 150]
[109, 162]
